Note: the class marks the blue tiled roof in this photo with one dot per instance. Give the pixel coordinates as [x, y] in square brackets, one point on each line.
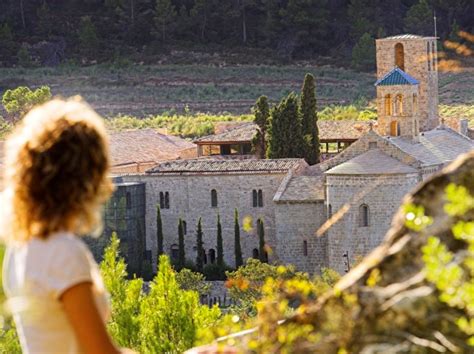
[396, 77]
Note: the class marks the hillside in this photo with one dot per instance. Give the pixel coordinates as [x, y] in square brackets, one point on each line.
[141, 90]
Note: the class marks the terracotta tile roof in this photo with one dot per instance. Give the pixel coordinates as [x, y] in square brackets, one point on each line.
[303, 189]
[373, 162]
[240, 133]
[330, 130]
[207, 165]
[435, 147]
[145, 145]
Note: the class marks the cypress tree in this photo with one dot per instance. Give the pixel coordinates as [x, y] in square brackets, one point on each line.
[262, 114]
[199, 247]
[309, 120]
[181, 252]
[284, 131]
[159, 231]
[261, 241]
[220, 246]
[238, 250]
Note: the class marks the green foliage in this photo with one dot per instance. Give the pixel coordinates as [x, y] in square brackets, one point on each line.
[126, 296]
[46, 21]
[165, 15]
[213, 271]
[189, 280]
[452, 275]
[8, 46]
[261, 112]
[220, 243]
[245, 284]
[350, 112]
[309, 120]
[19, 101]
[88, 38]
[170, 318]
[237, 247]
[363, 53]
[181, 250]
[23, 57]
[159, 232]
[419, 19]
[199, 247]
[284, 134]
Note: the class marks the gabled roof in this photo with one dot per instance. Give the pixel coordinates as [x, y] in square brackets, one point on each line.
[396, 77]
[145, 145]
[373, 162]
[207, 165]
[435, 147]
[303, 189]
[329, 130]
[404, 36]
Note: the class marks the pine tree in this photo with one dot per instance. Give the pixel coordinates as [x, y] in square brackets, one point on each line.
[261, 241]
[165, 15]
[363, 53]
[262, 114]
[45, 20]
[419, 19]
[199, 247]
[238, 250]
[159, 232]
[88, 39]
[220, 245]
[284, 132]
[181, 252]
[309, 120]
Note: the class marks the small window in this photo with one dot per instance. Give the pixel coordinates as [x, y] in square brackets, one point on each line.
[162, 200]
[399, 105]
[363, 215]
[255, 253]
[214, 198]
[260, 198]
[128, 199]
[212, 256]
[174, 252]
[329, 211]
[388, 105]
[185, 227]
[394, 129]
[433, 56]
[372, 145]
[255, 198]
[167, 200]
[305, 248]
[399, 56]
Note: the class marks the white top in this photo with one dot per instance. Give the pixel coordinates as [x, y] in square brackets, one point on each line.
[35, 274]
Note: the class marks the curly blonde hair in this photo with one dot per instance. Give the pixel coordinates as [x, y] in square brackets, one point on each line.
[56, 173]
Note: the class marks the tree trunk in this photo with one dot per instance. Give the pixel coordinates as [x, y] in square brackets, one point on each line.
[22, 12]
[132, 12]
[244, 26]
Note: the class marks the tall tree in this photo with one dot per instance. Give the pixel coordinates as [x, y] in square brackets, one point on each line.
[165, 15]
[237, 247]
[88, 38]
[284, 134]
[220, 245]
[262, 114]
[364, 15]
[419, 19]
[181, 251]
[309, 120]
[199, 247]
[363, 53]
[159, 232]
[262, 255]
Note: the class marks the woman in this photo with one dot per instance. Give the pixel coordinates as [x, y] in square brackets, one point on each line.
[55, 182]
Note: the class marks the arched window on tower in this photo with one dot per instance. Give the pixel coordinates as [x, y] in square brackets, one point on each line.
[399, 105]
[214, 198]
[364, 215]
[433, 56]
[388, 105]
[415, 103]
[399, 56]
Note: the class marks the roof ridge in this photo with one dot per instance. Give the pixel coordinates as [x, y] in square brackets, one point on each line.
[406, 79]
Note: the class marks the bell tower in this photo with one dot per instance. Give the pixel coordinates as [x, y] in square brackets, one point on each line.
[416, 57]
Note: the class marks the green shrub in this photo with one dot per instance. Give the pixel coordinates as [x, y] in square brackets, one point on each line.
[19, 101]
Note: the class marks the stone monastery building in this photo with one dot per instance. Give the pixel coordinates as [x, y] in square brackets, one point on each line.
[325, 215]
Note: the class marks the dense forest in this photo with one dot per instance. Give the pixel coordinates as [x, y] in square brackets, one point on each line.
[99, 30]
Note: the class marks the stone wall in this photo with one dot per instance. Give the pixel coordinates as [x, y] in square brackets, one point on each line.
[190, 199]
[295, 224]
[383, 196]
